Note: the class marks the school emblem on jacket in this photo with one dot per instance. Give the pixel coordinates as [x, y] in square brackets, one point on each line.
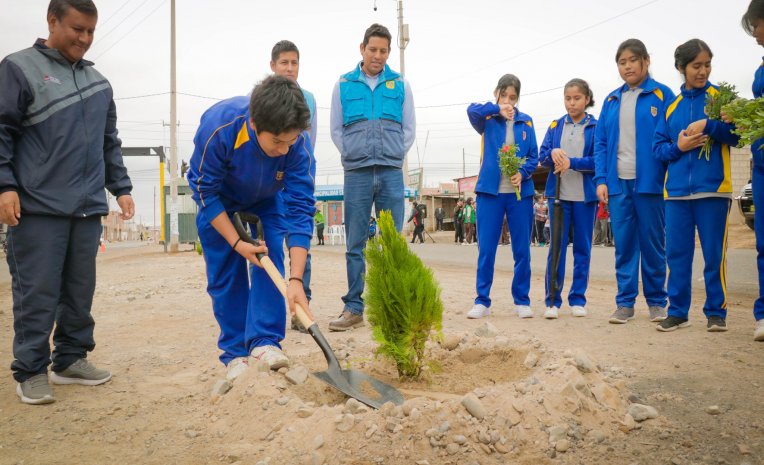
[279, 175]
[390, 84]
[654, 111]
[524, 135]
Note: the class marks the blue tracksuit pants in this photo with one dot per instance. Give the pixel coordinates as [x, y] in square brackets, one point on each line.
[490, 217]
[758, 223]
[638, 225]
[250, 314]
[710, 216]
[581, 215]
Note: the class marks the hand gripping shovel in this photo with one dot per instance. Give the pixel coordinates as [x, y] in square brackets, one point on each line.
[353, 383]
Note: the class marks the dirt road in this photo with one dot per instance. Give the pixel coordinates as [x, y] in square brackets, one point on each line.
[155, 330]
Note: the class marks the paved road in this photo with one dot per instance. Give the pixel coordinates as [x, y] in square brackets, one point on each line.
[741, 263]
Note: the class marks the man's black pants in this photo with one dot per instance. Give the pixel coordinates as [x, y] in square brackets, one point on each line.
[52, 261]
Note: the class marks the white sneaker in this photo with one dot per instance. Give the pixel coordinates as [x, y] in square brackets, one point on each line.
[524, 311]
[578, 310]
[551, 313]
[236, 368]
[478, 311]
[271, 355]
[758, 333]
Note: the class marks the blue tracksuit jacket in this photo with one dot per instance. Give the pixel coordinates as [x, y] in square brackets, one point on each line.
[487, 121]
[229, 171]
[686, 173]
[584, 164]
[650, 172]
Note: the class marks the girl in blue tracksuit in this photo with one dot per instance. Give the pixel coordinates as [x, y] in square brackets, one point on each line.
[568, 149]
[630, 180]
[698, 190]
[501, 123]
[753, 23]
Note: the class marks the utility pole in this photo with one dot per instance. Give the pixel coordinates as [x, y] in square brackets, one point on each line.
[173, 139]
[403, 40]
[464, 165]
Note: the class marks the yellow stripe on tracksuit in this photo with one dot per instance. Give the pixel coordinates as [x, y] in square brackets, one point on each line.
[206, 144]
[723, 263]
[669, 111]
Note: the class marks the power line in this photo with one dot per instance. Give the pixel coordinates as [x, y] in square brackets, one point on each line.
[131, 29]
[106, 34]
[545, 44]
[115, 13]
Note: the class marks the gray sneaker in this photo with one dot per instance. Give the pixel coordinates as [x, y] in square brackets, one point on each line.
[35, 390]
[347, 320]
[657, 314]
[81, 372]
[621, 315]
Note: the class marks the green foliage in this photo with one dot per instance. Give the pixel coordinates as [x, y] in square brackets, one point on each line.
[402, 299]
[748, 116]
[714, 104]
[510, 163]
[198, 247]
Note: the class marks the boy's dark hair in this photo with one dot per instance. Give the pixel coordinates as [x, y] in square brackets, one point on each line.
[585, 89]
[688, 51]
[277, 106]
[508, 80]
[635, 46]
[58, 8]
[283, 46]
[754, 12]
[377, 30]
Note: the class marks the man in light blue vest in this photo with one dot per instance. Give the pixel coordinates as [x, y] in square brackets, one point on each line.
[373, 126]
[285, 61]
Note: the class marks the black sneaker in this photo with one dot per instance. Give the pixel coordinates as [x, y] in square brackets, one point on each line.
[716, 324]
[672, 323]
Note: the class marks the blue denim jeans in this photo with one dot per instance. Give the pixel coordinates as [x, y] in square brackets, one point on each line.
[381, 186]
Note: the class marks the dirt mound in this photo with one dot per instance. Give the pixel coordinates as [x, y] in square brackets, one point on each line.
[484, 402]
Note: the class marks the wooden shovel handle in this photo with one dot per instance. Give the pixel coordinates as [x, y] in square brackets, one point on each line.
[268, 265]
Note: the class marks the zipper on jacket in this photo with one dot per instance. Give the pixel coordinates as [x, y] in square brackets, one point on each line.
[84, 171]
[691, 155]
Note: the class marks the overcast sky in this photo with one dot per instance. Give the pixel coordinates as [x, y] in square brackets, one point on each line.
[458, 50]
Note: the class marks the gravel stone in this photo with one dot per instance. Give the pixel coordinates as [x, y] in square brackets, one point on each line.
[474, 406]
[641, 412]
[297, 375]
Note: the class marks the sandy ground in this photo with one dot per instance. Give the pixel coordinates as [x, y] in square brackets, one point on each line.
[554, 391]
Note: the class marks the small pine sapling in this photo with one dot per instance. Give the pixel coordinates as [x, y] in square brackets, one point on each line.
[510, 163]
[402, 299]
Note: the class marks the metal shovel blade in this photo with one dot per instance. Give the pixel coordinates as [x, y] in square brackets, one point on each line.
[353, 383]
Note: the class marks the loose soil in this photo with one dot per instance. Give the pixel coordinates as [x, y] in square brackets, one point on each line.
[555, 392]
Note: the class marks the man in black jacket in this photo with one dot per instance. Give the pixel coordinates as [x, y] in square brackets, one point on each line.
[58, 151]
[416, 217]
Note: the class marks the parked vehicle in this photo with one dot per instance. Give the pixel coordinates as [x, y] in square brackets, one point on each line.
[745, 204]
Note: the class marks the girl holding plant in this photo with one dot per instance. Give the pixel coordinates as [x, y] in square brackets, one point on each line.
[568, 149]
[753, 23]
[630, 180]
[499, 193]
[698, 190]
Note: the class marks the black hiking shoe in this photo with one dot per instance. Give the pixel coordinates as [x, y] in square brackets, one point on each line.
[716, 324]
[672, 323]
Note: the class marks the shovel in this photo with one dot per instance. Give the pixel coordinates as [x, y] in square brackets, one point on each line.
[555, 248]
[353, 383]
